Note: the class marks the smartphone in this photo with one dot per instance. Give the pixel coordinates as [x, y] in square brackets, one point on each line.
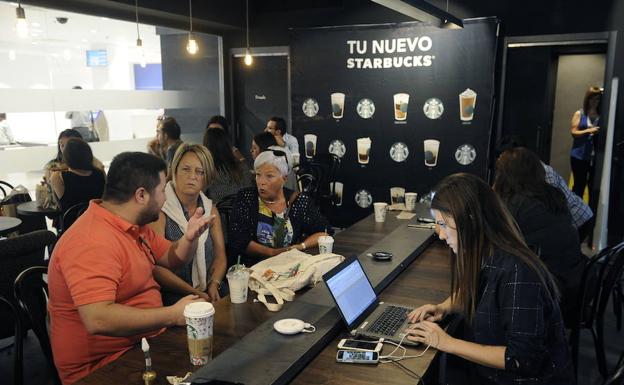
[360, 345]
[355, 357]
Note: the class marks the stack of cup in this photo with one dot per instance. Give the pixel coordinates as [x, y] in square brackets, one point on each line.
[199, 322]
[238, 281]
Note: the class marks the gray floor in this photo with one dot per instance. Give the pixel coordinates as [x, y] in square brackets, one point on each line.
[36, 371]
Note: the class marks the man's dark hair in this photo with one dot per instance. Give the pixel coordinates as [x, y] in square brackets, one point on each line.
[130, 171]
[220, 120]
[170, 127]
[77, 154]
[280, 124]
[508, 142]
[264, 140]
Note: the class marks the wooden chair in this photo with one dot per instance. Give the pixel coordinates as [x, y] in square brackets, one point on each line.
[12, 312]
[16, 255]
[31, 292]
[617, 377]
[70, 215]
[599, 279]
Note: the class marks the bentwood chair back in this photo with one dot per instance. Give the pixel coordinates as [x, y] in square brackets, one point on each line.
[31, 291]
[599, 279]
[10, 311]
[17, 254]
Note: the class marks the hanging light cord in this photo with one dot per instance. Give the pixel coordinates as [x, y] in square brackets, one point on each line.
[191, 15]
[136, 10]
[247, 18]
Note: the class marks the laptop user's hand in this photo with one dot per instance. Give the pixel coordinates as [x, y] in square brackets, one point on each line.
[427, 312]
[429, 333]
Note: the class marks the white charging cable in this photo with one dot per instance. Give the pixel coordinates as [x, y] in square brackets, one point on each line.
[392, 358]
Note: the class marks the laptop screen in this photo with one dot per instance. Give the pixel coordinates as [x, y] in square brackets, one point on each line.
[352, 291]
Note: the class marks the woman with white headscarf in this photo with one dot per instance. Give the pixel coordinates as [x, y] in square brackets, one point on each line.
[269, 219]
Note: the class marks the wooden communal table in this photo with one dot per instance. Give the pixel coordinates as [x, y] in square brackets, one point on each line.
[425, 280]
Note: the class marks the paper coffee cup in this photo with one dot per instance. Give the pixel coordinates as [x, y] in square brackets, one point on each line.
[199, 322]
[380, 211]
[411, 198]
[325, 244]
[238, 281]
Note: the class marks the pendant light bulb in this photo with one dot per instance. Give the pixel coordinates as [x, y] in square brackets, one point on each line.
[191, 46]
[141, 53]
[248, 58]
[21, 27]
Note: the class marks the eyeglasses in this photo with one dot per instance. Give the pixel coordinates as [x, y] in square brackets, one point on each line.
[198, 171]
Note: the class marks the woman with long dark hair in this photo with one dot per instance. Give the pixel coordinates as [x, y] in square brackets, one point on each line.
[544, 219]
[231, 174]
[58, 163]
[500, 286]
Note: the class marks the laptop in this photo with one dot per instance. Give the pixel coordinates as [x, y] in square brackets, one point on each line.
[359, 306]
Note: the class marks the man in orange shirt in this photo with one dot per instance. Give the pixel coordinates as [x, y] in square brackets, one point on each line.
[103, 296]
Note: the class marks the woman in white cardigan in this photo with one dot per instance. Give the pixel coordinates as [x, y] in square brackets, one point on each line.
[192, 169]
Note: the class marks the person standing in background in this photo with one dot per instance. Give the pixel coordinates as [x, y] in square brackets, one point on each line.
[6, 136]
[277, 127]
[167, 139]
[82, 121]
[584, 126]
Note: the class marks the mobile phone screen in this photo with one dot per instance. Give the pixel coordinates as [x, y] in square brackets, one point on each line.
[353, 355]
[364, 345]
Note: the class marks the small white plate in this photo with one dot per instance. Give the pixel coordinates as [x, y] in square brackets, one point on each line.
[289, 326]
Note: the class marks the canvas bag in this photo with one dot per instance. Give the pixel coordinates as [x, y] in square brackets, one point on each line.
[281, 276]
[8, 204]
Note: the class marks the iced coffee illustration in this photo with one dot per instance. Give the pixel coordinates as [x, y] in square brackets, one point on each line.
[467, 103]
[432, 147]
[400, 106]
[337, 101]
[337, 189]
[363, 149]
[397, 195]
[310, 145]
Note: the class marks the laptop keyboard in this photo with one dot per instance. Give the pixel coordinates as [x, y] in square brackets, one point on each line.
[389, 322]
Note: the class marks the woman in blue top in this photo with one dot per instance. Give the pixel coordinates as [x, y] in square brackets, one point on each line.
[584, 127]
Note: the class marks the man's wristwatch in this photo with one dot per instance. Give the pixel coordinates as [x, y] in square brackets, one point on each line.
[215, 280]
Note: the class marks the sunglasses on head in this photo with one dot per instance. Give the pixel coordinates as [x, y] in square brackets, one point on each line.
[280, 153]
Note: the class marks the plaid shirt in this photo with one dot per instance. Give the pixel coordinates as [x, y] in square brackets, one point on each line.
[515, 310]
[580, 212]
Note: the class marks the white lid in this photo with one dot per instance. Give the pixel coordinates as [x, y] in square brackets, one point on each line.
[199, 309]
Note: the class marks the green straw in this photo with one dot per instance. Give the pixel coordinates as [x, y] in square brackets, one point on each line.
[238, 262]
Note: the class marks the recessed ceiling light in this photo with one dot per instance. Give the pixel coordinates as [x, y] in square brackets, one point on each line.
[84, 40]
[93, 31]
[36, 24]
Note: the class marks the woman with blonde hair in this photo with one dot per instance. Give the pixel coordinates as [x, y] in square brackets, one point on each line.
[503, 290]
[192, 169]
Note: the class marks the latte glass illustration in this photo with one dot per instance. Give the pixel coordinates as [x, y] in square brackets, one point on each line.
[363, 148]
[337, 101]
[310, 145]
[337, 188]
[397, 195]
[400, 106]
[431, 152]
[467, 102]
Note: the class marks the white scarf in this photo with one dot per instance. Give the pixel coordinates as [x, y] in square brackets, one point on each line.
[173, 209]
